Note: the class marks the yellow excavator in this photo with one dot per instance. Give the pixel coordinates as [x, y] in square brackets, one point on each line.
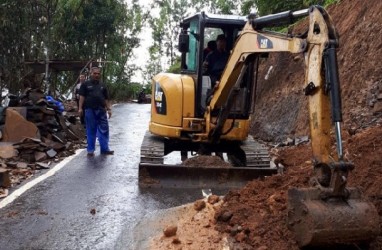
[188, 116]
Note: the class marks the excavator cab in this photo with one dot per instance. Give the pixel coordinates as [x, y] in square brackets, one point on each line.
[196, 32]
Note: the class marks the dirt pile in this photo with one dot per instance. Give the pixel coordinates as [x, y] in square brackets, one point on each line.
[260, 207]
[205, 161]
[281, 103]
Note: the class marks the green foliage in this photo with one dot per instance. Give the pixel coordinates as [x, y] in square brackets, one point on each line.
[175, 68]
[70, 30]
[266, 7]
[124, 91]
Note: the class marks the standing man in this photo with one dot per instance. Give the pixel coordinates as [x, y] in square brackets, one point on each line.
[77, 94]
[94, 102]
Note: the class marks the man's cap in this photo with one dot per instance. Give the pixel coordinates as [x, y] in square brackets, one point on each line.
[220, 37]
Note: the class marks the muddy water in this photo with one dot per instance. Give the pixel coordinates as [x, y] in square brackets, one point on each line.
[57, 213]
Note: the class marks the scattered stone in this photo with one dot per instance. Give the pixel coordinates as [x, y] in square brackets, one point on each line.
[280, 168]
[59, 137]
[170, 231]
[289, 141]
[42, 165]
[235, 230]
[7, 150]
[22, 165]
[40, 156]
[372, 102]
[12, 164]
[176, 241]
[301, 140]
[377, 108]
[3, 192]
[212, 199]
[52, 144]
[16, 127]
[240, 237]
[226, 216]
[5, 180]
[199, 205]
[272, 164]
[93, 211]
[51, 153]
[206, 192]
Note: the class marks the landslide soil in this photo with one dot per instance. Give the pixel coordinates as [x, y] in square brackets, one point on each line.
[254, 217]
[260, 207]
[281, 102]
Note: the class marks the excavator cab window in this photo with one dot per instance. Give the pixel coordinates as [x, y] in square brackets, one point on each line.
[190, 55]
[201, 29]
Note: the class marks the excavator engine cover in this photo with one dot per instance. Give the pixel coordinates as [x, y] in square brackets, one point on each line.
[318, 220]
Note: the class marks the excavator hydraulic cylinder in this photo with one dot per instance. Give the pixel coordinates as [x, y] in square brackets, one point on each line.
[286, 17]
[333, 83]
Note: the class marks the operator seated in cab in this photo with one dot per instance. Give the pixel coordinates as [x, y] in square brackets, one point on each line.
[211, 46]
[216, 60]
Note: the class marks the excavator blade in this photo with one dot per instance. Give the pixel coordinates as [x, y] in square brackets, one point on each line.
[317, 221]
[154, 173]
[173, 176]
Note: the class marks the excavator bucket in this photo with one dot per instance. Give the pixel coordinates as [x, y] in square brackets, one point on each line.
[317, 221]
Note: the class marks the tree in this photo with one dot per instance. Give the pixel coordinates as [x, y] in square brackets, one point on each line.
[68, 30]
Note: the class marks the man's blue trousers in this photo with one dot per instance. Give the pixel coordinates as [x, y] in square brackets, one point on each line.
[97, 126]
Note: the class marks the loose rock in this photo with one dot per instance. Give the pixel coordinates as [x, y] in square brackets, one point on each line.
[212, 199]
[170, 231]
[199, 205]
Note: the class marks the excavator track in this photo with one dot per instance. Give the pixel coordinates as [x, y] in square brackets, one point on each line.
[152, 149]
[154, 173]
[256, 154]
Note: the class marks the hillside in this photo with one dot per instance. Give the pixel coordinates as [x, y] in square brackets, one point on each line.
[281, 102]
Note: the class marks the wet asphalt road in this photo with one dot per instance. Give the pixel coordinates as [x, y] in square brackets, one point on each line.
[56, 213]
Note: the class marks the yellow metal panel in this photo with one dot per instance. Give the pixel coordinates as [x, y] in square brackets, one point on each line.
[239, 132]
[163, 130]
[188, 96]
[170, 91]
